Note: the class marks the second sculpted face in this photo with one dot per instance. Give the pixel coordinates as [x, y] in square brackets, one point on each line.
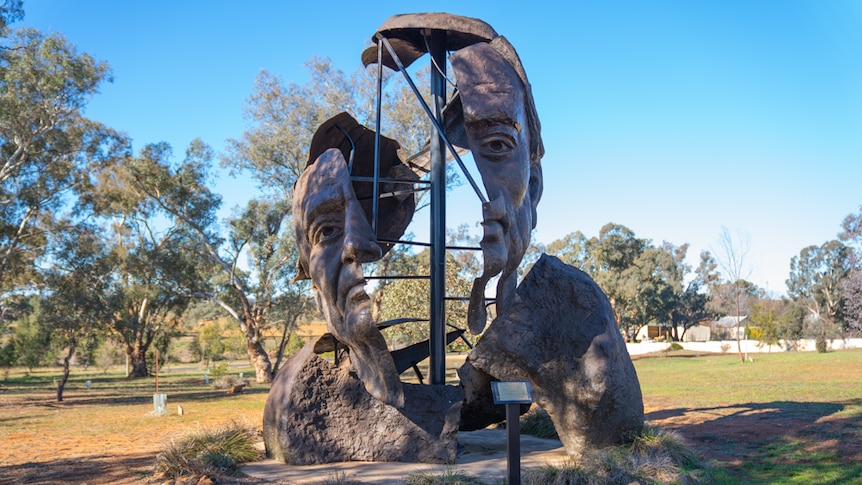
[494, 104]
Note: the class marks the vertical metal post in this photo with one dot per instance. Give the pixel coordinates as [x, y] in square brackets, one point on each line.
[375, 201]
[437, 43]
[513, 444]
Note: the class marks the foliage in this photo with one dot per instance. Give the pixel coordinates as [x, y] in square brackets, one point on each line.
[32, 341]
[410, 298]
[816, 281]
[74, 309]
[10, 11]
[208, 451]
[765, 318]
[792, 324]
[283, 118]
[853, 301]
[211, 342]
[46, 146]
[643, 282]
[852, 284]
[258, 300]
[107, 355]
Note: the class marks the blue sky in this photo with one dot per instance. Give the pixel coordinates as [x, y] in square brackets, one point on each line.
[673, 118]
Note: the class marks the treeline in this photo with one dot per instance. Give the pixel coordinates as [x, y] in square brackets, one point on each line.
[648, 283]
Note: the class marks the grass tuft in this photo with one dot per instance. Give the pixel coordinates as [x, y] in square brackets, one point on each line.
[654, 456]
[451, 476]
[339, 478]
[208, 451]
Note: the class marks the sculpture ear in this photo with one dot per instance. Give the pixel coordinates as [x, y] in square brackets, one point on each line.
[535, 188]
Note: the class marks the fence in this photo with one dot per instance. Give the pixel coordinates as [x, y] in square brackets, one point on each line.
[750, 346]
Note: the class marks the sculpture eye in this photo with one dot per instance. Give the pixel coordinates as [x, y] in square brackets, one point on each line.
[497, 146]
[325, 232]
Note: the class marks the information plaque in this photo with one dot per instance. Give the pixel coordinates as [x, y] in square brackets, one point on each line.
[512, 392]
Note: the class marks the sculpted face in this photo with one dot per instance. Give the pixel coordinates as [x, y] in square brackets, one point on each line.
[334, 238]
[497, 110]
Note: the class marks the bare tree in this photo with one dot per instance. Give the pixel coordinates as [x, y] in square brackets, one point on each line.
[732, 258]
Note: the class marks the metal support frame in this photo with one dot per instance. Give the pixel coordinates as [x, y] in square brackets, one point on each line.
[436, 43]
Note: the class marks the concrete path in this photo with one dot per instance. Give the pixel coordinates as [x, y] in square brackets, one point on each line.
[481, 454]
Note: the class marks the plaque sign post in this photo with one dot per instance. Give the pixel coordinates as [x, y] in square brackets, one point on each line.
[513, 394]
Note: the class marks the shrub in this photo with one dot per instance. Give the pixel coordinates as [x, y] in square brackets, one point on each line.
[821, 344]
[675, 346]
[208, 451]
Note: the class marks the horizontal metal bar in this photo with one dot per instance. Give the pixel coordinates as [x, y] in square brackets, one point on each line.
[398, 277]
[362, 178]
[463, 248]
[399, 241]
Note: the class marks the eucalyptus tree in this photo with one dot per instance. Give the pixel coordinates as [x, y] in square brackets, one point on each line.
[851, 235]
[45, 142]
[75, 308]
[643, 282]
[283, 118]
[153, 269]
[816, 281]
[256, 295]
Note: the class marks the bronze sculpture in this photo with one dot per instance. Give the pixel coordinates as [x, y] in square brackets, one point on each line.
[341, 223]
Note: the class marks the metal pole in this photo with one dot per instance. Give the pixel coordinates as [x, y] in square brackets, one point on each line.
[376, 190]
[513, 444]
[157, 371]
[438, 213]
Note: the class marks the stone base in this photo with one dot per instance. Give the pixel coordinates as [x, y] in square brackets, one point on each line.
[319, 413]
[560, 334]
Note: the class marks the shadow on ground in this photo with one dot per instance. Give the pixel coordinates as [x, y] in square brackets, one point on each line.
[92, 470]
[813, 441]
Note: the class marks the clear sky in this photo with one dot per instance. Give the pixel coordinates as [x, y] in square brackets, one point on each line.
[673, 118]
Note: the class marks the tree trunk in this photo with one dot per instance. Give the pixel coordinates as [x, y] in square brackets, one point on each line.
[260, 361]
[66, 363]
[139, 363]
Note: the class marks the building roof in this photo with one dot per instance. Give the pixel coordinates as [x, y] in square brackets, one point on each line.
[731, 321]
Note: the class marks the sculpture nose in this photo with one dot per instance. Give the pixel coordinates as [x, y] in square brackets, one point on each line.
[360, 245]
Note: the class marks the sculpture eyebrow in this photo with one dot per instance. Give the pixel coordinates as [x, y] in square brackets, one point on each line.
[327, 206]
[487, 122]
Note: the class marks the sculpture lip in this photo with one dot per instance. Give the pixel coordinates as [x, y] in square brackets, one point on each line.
[357, 293]
[351, 293]
[493, 230]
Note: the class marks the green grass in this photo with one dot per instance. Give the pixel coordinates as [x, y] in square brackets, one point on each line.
[723, 380]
